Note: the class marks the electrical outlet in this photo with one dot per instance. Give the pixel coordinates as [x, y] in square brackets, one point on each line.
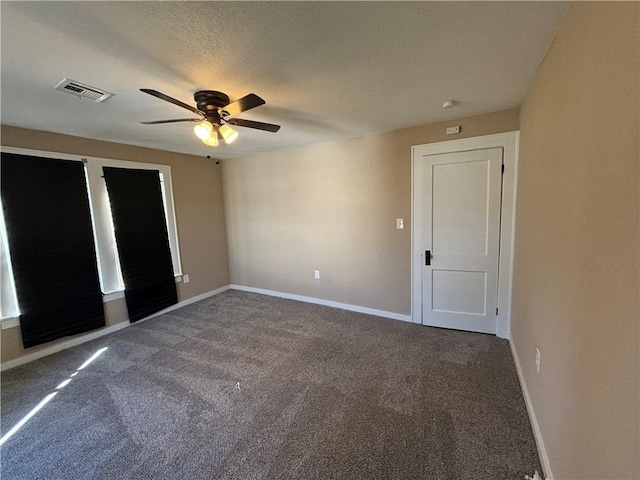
[538, 360]
[316, 274]
[185, 278]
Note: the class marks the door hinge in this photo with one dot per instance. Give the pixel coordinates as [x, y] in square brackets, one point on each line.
[503, 168]
[496, 311]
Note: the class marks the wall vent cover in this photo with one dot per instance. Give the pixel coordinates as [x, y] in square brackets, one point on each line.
[82, 90]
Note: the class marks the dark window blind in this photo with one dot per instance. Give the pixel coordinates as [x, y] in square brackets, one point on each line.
[46, 211]
[143, 242]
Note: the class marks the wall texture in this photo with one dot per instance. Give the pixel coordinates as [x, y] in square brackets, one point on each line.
[577, 244]
[333, 207]
[199, 210]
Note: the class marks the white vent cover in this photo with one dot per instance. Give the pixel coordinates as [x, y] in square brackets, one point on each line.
[81, 90]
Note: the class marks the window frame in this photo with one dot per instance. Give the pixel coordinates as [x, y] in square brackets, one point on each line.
[111, 282]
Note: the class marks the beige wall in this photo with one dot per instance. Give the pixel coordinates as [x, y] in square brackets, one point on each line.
[333, 207]
[577, 245]
[199, 215]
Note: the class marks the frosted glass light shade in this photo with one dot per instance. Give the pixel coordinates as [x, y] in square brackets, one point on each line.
[203, 130]
[212, 141]
[228, 133]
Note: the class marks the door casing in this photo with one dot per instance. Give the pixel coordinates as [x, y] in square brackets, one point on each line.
[509, 143]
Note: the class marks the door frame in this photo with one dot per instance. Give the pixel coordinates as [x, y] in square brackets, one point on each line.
[509, 142]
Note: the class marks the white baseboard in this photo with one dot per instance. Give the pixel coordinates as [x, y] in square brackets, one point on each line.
[72, 342]
[186, 302]
[327, 303]
[30, 357]
[542, 451]
[83, 338]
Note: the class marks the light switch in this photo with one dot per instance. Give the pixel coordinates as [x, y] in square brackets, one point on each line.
[399, 223]
[185, 278]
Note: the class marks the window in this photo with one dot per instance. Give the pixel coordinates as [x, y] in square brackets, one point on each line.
[111, 282]
[110, 274]
[50, 239]
[8, 301]
[140, 225]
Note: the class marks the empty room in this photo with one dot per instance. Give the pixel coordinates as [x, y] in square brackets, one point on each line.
[320, 240]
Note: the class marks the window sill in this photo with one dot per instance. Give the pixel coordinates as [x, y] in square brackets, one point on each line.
[108, 297]
[10, 322]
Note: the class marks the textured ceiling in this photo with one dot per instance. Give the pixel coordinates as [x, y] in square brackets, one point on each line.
[327, 70]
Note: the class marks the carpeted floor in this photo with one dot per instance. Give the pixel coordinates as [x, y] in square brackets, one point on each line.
[244, 386]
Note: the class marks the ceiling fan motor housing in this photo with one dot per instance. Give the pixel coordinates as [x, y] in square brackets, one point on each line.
[209, 101]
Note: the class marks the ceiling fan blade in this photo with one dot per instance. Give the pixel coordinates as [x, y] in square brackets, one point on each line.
[169, 99]
[243, 104]
[155, 122]
[267, 127]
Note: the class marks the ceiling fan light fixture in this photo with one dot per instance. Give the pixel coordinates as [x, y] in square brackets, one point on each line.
[228, 133]
[203, 130]
[212, 141]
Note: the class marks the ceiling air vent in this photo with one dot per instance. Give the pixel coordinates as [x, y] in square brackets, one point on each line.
[83, 91]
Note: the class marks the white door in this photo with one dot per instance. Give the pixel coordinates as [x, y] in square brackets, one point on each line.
[460, 222]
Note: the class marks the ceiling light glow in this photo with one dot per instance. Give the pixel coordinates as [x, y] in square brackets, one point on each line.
[228, 133]
[212, 141]
[203, 130]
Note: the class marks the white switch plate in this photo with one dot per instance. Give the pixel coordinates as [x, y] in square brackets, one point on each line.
[316, 274]
[538, 360]
[453, 130]
[185, 278]
[399, 223]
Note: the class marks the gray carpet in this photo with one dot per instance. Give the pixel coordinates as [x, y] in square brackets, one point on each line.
[323, 394]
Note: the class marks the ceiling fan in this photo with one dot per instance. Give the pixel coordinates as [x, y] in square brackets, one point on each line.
[214, 115]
